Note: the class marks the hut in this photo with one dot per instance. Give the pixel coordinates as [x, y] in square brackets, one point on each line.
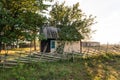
[50, 43]
[51, 35]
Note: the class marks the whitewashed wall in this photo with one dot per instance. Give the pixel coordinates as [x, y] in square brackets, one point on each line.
[72, 47]
[69, 47]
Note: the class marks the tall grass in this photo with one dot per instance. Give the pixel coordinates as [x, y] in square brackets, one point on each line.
[102, 67]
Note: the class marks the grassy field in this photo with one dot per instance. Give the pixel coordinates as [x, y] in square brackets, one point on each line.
[102, 67]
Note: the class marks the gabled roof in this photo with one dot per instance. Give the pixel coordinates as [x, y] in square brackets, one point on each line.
[50, 32]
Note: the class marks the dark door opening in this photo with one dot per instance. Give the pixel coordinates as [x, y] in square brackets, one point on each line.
[45, 46]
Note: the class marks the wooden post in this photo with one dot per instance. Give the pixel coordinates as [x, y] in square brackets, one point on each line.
[107, 48]
[72, 52]
[30, 49]
[80, 46]
[34, 44]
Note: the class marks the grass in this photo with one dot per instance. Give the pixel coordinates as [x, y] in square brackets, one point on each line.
[102, 67]
[14, 50]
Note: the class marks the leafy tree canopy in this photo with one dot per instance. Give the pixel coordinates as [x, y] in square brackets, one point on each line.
[73, 23]
[19, 18]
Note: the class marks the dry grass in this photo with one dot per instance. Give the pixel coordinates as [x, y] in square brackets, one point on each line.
[101, 50]
[15, 50]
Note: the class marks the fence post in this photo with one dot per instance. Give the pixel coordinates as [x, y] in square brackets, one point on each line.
[80, 46]
[4, 60]
[107, 48]
[99, 48]
[72, 56]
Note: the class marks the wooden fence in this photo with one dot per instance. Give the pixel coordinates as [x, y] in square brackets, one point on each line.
[95, 50]
[10, 60]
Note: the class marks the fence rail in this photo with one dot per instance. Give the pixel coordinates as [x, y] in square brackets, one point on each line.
[10, 60]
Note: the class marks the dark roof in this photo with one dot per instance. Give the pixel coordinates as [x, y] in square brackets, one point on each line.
[50, 32]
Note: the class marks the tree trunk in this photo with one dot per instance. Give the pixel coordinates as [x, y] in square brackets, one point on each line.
[34, 44]
[17, 44]
[30, 47]
[0, 46]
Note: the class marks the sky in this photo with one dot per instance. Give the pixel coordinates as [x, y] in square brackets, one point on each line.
[107, 14]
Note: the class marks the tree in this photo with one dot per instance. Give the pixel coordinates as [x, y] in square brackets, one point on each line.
[19, 17]
[72, 22]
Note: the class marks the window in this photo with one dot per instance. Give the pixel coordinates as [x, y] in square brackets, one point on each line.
[52, 44]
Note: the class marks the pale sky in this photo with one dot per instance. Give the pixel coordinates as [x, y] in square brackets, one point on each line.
[108, 18]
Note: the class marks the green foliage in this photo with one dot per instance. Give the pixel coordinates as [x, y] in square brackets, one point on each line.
[91, 68]
[21, 19]
[73, 23]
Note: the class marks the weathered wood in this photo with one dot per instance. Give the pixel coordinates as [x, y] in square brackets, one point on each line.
[47, 57]
[7, 67]
[9, 64]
